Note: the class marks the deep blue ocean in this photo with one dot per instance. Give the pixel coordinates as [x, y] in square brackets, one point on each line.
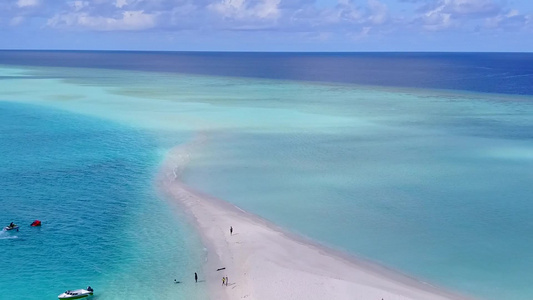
[502, 73]
[418, 161]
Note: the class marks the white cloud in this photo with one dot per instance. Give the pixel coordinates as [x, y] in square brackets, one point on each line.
[27, 3]
[128, 20]
[16, 21]
[436, 19]
[510, 20]
[79, 5]
[121, 3]
[345, 12]
[363, 33]
[246, 9]
[445, 14]
[355, 18]
[378, 12]
[470, 7]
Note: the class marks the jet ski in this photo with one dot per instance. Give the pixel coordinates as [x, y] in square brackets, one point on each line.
[12, 227]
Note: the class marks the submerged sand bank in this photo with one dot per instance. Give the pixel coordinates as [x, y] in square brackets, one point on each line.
[263, 262]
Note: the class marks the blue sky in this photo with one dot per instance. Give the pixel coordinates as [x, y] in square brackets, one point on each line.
[268, 25]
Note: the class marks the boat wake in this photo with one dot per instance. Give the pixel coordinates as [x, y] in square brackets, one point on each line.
[5, 236]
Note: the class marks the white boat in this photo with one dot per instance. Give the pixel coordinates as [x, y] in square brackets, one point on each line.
[76, 294]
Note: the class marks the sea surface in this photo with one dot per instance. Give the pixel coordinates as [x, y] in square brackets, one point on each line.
[90, 183]
[421, 162]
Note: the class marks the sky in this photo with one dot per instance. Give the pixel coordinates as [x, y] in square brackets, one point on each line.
[268, 25]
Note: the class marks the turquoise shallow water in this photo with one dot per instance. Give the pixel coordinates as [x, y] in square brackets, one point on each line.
[90, 183]
[432, 183]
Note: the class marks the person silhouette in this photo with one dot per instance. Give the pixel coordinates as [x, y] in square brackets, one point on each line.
[195, 277]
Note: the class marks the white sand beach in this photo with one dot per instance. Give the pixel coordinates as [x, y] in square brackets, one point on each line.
[263, 262]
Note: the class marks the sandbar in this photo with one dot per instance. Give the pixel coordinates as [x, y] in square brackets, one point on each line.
[265, 262]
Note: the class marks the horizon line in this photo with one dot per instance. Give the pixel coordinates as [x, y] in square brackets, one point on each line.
[254, 51]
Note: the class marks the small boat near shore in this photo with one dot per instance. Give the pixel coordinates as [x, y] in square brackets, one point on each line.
[76, 294]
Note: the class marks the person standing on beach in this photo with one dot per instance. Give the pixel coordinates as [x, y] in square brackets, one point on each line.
[195, 277]
[223, 280]
[231, 230]
[226, 280]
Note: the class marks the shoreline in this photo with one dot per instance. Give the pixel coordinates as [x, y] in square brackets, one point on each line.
[263, 261]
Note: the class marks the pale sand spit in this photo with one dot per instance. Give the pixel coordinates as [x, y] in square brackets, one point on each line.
[263, 262]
